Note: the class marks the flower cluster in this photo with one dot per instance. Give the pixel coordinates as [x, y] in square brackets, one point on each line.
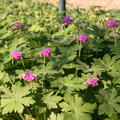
[16, 54]
[112, 23]
[68, 20]
[83, 38]
[92, 82]
[17, 24]
[46, 52]
[29, 77]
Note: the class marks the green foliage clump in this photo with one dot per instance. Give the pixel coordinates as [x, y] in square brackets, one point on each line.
[59, 86]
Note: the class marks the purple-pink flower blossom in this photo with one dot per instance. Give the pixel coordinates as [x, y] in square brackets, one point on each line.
[16, 54]
[92, 82]
[83, 38]
[46, 52]
[68, 20]
[17, 24]
[29, 77]
[112, 23]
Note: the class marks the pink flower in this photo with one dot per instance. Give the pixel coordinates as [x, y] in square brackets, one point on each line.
[16, 54]
[83, 38]
[112, 23]
[46, 52]
[29, 77]
[67, 20]
[92, 82]
[17, 24]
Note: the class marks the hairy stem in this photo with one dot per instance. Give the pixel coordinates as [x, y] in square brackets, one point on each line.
[80, 46]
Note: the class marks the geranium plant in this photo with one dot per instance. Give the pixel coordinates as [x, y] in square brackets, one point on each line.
[52, 74]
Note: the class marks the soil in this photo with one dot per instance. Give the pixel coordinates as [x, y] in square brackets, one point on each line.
[106, 4]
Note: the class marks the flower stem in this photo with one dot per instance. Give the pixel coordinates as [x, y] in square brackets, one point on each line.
[28, 111]
[32, 85]
[21, 116]
[12, 61]
[76, 71]
[44, 62]
[23, 64]
[44, 116]
[80, 46]
[115, 39]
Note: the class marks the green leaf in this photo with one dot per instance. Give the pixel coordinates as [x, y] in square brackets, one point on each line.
[56, 117]
[14, 44]
[116, 49]
[107, 64]
[15, 99]
[115, 117]
[115, 72]
[70, 82]
[76, 107]
[36, 28]
[64, 37]
[4, 77]
[19, 72]
[48, 69]
[80, 66]
[109, 102]
[51, 100]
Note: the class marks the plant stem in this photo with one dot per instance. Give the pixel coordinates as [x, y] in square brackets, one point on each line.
[44, 116]
[115, 37]
[21, 116]
[42, 84]
[80, 46]
[12, 61]
[76, 71]
[32, 87]
[12, 82]
[115, 40]
[23, 64]
[44, 62]
[28, 111]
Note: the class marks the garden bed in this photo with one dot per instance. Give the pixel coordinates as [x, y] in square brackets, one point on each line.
[52, 74]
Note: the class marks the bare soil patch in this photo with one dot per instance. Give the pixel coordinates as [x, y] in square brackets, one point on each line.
[106, 4]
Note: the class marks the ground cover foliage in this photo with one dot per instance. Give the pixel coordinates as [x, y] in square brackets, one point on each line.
[74, 79]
